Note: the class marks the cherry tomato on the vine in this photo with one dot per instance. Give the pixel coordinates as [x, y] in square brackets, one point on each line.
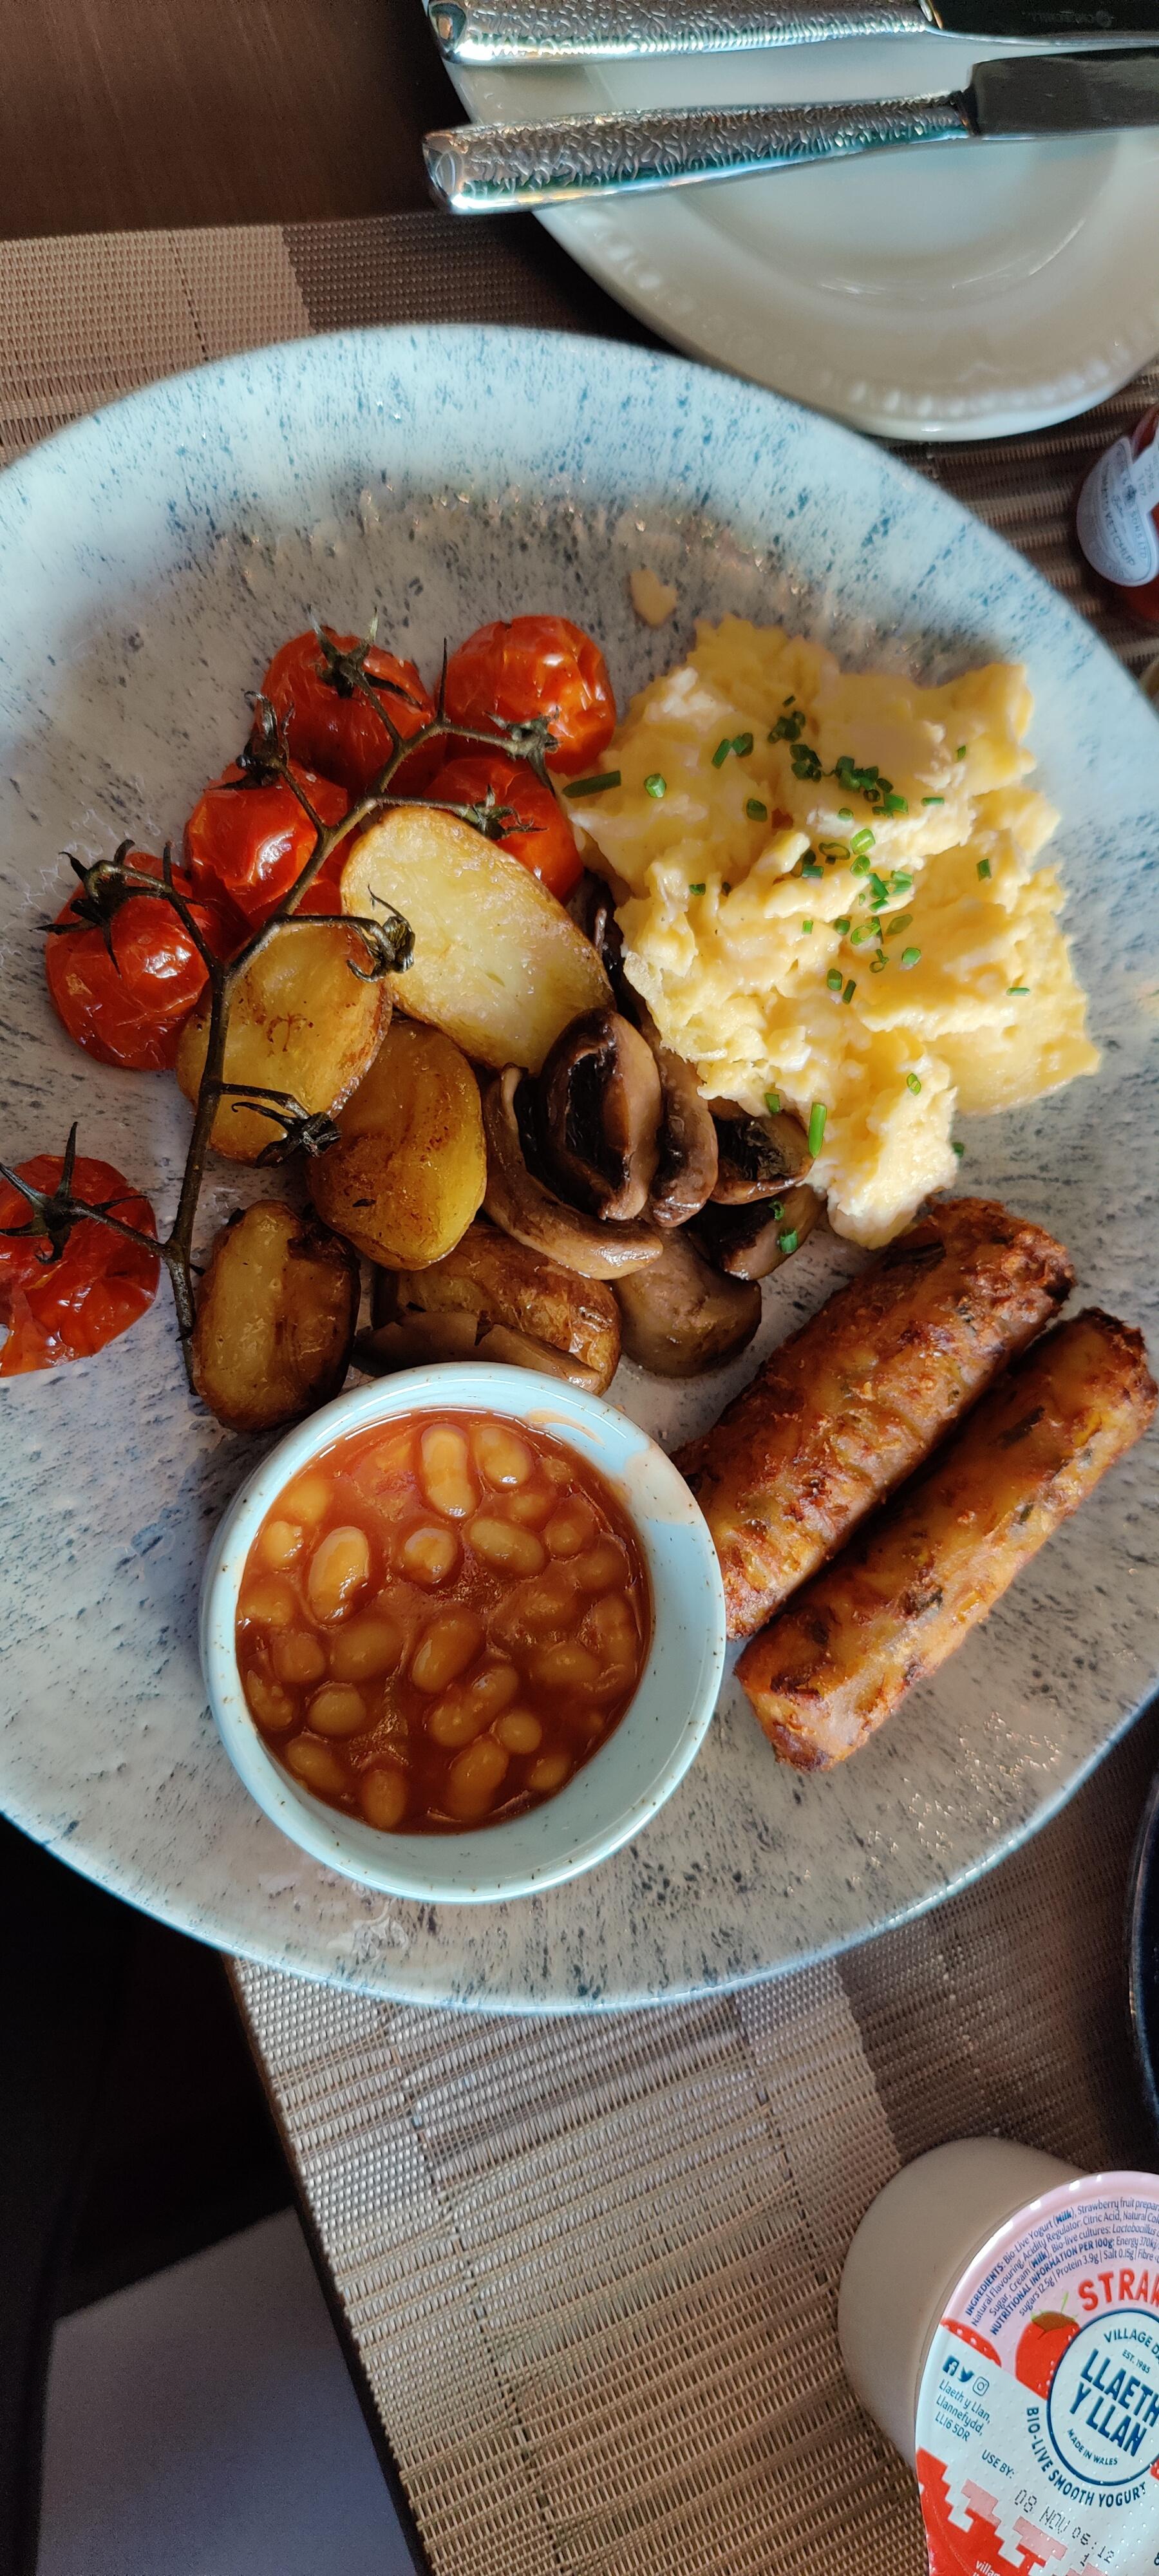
[342, 734]
[126, 997]
[249, 839]
[536, 666]
[69, 1308]
[539, 836]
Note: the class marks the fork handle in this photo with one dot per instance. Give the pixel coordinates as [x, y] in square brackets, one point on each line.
[554, 31]
[492, 169]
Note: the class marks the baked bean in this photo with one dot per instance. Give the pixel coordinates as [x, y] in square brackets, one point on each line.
[503, 1544]
[297, 1656]
[441, 1621]
[339, 1568]
[366, 1647]
[572, 1526]
[568, 1666]
[273, 1708]
[337, 1709]
[444, 1468]
[473, 1779]
[519, 1731]
[429, 1554]
[548, 1773]
[599, 1567]
[316, 1766]
[383, 1794]
[445, 1650]
[529, 1506]
[270, 1604]
[503, 1457]
[282, 1542]
[307, 1499]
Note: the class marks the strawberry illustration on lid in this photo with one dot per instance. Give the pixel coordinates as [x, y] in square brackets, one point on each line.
[977, 2342]
[1041, 2346]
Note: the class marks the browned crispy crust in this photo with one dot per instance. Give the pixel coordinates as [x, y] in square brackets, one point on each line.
[909, 1589]
[843, 1412]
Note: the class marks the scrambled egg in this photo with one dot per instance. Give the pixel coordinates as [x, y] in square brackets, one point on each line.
[827, 891]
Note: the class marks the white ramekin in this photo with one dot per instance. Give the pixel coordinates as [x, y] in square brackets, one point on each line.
[622, 1786]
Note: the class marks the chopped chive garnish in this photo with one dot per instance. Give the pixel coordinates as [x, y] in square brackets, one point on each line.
[879, 963]
[841, 925]
[789, 701]
[900, 921]
[757, 813]
[912, 1083]
[961, 751]
[832, 851]
[777, 1210]
[786, 728]
[895, 804]
[720, 755]
[804, 761]
[910, 956]
[862, 840]
[817, 1118]
[773, 1103]
[983, 867]
[833, 979]
[845, 813]
[865, 930]
[594, 786]
[788, 1242]
[933, 800]
[849, 991]
[900, 883]
[878, 887]
[1018, 988]
[859, 867]
[809, 868]
[655, 785]
[742, 744]
[959, 1150]
[696, 889]
[807, 927]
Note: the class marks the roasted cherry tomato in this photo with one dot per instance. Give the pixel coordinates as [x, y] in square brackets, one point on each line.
[536, 666]
[341, 734]
[250, 839]
[126, 997]
[540, 835]
[66, 1309]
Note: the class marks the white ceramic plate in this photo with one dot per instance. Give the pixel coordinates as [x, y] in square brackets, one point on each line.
[149, 561]
[934, 292]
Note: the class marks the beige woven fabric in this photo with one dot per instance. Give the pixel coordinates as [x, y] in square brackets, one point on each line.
[588, 2268]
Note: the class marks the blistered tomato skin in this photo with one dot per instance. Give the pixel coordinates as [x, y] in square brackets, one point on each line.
[340, 732]
[125, 997]
[405, 1643]
[536, 666]
[67, 1309]
[249, 840]
[538, 833]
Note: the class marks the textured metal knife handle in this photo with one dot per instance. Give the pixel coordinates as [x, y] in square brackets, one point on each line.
[489, 169]
[556, 31]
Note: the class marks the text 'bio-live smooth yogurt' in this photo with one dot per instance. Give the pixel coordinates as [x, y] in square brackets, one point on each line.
[1000, 2317]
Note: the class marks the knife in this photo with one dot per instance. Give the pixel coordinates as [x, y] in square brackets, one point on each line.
[568, 31]
[492, 169]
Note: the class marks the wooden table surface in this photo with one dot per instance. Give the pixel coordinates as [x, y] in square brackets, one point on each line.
[130, 113]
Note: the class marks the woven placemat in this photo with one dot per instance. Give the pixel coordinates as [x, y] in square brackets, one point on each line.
[588, 2268]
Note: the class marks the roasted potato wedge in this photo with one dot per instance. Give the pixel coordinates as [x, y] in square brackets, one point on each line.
[495, 1299]
[410, 1167]
[300, 1022]
[498, 963]
[275, 1318]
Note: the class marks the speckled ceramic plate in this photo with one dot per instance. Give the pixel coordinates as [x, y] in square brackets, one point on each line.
[149, 560]
[922, 294]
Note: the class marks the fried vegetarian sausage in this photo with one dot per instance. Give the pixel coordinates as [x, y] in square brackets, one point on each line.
[852, 1404]
[908, 1591]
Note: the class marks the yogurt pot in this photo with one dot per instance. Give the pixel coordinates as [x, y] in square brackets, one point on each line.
[999, 2318]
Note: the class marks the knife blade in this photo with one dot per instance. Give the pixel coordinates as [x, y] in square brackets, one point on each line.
[563, 31]
[493, 169]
